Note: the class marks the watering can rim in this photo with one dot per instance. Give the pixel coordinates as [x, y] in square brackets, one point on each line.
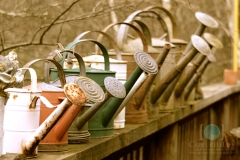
[22, 90]
[88, 70]
[99, 58]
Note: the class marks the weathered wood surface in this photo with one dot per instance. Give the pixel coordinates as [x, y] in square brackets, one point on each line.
[167, 136]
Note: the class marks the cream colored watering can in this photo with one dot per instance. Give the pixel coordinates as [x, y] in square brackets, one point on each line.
[22, 132]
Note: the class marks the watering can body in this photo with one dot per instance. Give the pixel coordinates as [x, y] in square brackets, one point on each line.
[79, 135]
[96, 128]
[50, 142]
[97, 75]
[20, 119]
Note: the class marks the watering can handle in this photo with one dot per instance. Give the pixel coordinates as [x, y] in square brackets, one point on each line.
[144, 40]
[59, 67]
[123, 29]
[169, 15]
[113, 43]
[80, 62]
[103, 49]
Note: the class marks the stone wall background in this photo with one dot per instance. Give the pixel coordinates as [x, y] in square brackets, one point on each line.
[25, 26]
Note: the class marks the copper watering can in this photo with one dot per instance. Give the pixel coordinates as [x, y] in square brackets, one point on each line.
[23, 135]
[51, 142]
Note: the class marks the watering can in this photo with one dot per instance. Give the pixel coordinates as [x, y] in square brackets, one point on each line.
[54, 96]
[93, 92]
[127, 55]
[99, 116]
[117, 65]
[22, 132]
[136, 105]
[51, 142]
[205, 21]
[146, 66]
[97, 75]
[213, 41]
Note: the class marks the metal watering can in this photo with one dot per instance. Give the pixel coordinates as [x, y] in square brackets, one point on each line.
[55, 96]
[166, 94]
[99, 116]
[127, 55]
[22, 132]
[117, 65]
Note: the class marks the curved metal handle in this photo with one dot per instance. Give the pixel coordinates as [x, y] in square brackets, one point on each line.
[170, 16]
[80, 62]
[59, 68]
[103, 49]
[140, 34]
[113, 43]
[123, 28]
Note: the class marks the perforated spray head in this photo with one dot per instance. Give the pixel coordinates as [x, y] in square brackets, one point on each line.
[115, 87]
[92, 90]
[75, 94]
[146, 62]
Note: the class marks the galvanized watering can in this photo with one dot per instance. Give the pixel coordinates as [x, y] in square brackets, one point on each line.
[22, 132]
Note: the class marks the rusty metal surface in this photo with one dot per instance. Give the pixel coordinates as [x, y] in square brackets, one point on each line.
[115, 87]
[146, 62]
[91, 89]
[74, 93]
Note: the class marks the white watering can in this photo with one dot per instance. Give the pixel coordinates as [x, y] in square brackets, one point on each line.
[22, 132]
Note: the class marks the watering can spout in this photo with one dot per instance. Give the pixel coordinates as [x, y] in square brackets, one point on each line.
[74, 96]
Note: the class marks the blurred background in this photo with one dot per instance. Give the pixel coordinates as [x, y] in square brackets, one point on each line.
[34, 27]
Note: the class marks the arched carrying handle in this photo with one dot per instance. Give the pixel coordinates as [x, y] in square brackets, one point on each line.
[79, 59]
[82, 67]
[169, 15]
[59, 68]
[143, 39]
[103, 49]
[113, 43]
[123, 29]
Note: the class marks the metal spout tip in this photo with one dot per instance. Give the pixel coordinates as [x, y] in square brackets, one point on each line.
[211, 58]
[206, 20]
[200, 44]
[213, 40]
[114, 87]
[74, 94]
[91, 89]
[146, 62]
